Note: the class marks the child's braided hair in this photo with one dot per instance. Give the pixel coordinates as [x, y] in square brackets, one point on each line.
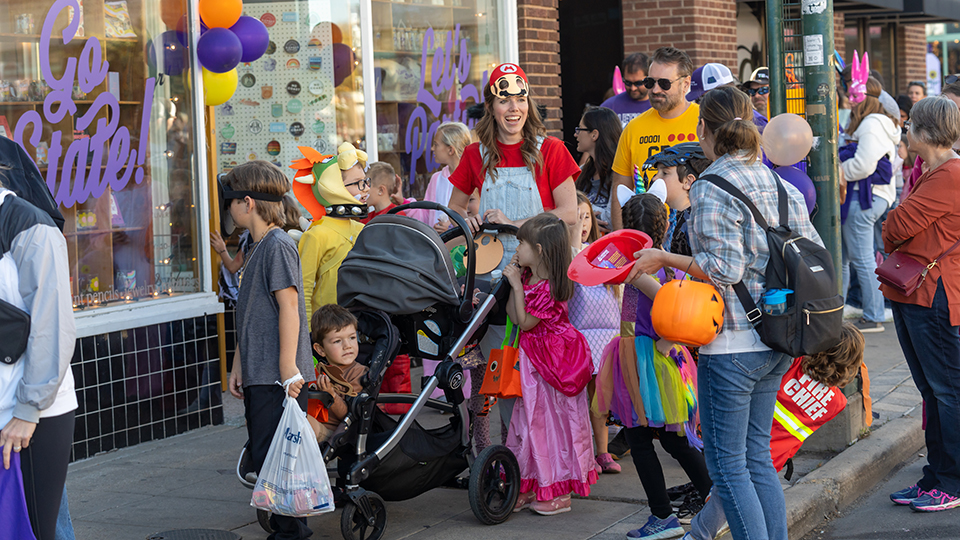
[646, 213]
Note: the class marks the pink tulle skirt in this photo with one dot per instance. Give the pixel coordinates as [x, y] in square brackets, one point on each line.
[551, 436]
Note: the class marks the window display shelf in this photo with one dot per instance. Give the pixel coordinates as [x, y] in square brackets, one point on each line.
[103, 231]
[80, 102]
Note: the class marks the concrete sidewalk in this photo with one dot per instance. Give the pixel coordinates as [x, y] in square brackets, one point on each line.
[188, 481]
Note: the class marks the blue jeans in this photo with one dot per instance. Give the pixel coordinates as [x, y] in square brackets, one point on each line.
[64, 523]
[709, 520]
[931, 346]
[858, 250]
[738, 392]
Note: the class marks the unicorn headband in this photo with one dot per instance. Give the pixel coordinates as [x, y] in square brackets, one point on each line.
[859, 73]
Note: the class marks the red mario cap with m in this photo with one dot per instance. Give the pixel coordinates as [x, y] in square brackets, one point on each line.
[508, 80]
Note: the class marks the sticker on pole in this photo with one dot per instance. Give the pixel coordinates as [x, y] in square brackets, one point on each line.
[813, 50]
[813, 7]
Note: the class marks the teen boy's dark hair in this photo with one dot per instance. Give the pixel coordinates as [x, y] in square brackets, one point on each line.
[262, 177]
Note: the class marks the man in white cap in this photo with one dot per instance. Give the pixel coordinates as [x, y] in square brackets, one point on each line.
[710, 76]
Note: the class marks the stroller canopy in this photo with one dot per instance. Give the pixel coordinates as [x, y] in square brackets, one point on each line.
[398, 265]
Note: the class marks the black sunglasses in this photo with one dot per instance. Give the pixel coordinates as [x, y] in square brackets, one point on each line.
[664, 84]
[763, 90]
[578, 130]
[631, 84]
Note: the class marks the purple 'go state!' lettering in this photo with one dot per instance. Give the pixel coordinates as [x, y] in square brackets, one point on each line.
[76, 184]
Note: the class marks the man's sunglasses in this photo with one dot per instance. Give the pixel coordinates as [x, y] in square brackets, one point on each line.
[664, 84]
[951, 79]
[763, 90]
[363, 183]
[632, 84]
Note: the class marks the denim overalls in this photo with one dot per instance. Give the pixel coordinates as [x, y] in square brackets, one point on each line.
[514, 192]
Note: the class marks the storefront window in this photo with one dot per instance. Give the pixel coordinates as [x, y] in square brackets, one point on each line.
[432, 59]
[881, 51]
[96, 93]
[307, 90]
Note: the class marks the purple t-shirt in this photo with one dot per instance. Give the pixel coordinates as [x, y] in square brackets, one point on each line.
[625, 107]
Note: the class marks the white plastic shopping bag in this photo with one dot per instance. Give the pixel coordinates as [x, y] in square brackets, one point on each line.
[293, 480]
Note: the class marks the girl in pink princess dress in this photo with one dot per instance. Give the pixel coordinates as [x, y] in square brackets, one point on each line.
[550, 429]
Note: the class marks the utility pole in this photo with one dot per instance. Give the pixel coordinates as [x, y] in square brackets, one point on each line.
[820, 91]
[775, 61]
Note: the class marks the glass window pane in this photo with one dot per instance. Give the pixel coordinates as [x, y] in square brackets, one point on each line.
[431, 62]
[107, 118]
[307, 90]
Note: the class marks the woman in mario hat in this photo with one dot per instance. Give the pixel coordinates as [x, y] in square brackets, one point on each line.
[519, 171]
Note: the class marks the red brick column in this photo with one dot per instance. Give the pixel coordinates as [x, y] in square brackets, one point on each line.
[539, 44]
[911, 55]
[705, 29]
[838, 42]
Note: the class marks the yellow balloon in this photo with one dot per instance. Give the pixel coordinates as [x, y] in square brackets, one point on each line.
[218, 87]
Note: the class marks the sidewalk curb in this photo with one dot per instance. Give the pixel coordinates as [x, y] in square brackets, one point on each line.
[851, 474]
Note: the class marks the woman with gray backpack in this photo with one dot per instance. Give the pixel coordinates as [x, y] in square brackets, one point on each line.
[739, 373]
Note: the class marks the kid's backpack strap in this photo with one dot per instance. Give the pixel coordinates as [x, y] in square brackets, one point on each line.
[749, 305]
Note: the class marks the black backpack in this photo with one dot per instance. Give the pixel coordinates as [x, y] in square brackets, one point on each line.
[814, 314]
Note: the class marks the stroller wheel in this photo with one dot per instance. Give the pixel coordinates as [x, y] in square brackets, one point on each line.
[263, 517]
[494, 485]
[355, 526]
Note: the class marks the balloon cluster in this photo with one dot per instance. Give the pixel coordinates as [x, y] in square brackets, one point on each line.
[227, 38]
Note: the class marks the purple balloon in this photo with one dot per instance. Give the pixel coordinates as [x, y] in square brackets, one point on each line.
[174, 55]
[253, 36]
[219, 50]
[343, 62]
[801, 181]
[182, 31]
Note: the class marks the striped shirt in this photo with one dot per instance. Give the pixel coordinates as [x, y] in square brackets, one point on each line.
[726, 242]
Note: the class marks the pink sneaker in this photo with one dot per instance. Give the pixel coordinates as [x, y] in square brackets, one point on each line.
[552, 507]
[607, 464]
[524, 501]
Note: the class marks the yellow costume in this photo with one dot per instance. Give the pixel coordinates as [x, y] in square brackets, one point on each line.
[318, 185]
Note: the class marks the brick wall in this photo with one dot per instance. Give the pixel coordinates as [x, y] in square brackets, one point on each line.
[838, 42]
[705, 29]
[539, 44]
[911, 55]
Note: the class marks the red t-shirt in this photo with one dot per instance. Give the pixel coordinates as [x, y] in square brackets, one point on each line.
[803, 405]
[373, 213]
[558, 165]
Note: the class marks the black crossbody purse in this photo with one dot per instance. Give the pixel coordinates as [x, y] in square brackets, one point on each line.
[15, 329]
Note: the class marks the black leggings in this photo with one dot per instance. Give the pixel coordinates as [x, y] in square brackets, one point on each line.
[645, 458]
[44, 468]
[263, 407]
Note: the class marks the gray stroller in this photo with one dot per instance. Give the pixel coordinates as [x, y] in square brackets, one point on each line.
[400, 282]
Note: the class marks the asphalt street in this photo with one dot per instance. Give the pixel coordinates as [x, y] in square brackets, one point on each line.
[874, 517]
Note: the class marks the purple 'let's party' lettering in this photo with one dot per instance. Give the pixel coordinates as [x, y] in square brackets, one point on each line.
[444, 77]
[76, 184]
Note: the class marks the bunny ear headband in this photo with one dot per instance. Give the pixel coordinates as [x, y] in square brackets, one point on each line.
[859, 72]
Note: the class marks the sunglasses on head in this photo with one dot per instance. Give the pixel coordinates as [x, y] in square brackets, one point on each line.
[763, 90]
[664, 84]
[951, 79]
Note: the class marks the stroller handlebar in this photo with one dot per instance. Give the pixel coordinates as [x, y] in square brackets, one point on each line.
[466, 304]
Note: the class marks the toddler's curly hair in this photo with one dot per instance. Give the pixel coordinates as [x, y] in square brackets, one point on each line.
[839, 364]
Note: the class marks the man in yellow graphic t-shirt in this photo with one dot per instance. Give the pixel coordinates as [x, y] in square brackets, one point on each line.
[671, 120]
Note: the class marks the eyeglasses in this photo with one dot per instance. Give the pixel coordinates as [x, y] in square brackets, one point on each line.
[763, 90]
[578, 130]
[632, 84]
[664, 84]
[906, 125]
[363, 183]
